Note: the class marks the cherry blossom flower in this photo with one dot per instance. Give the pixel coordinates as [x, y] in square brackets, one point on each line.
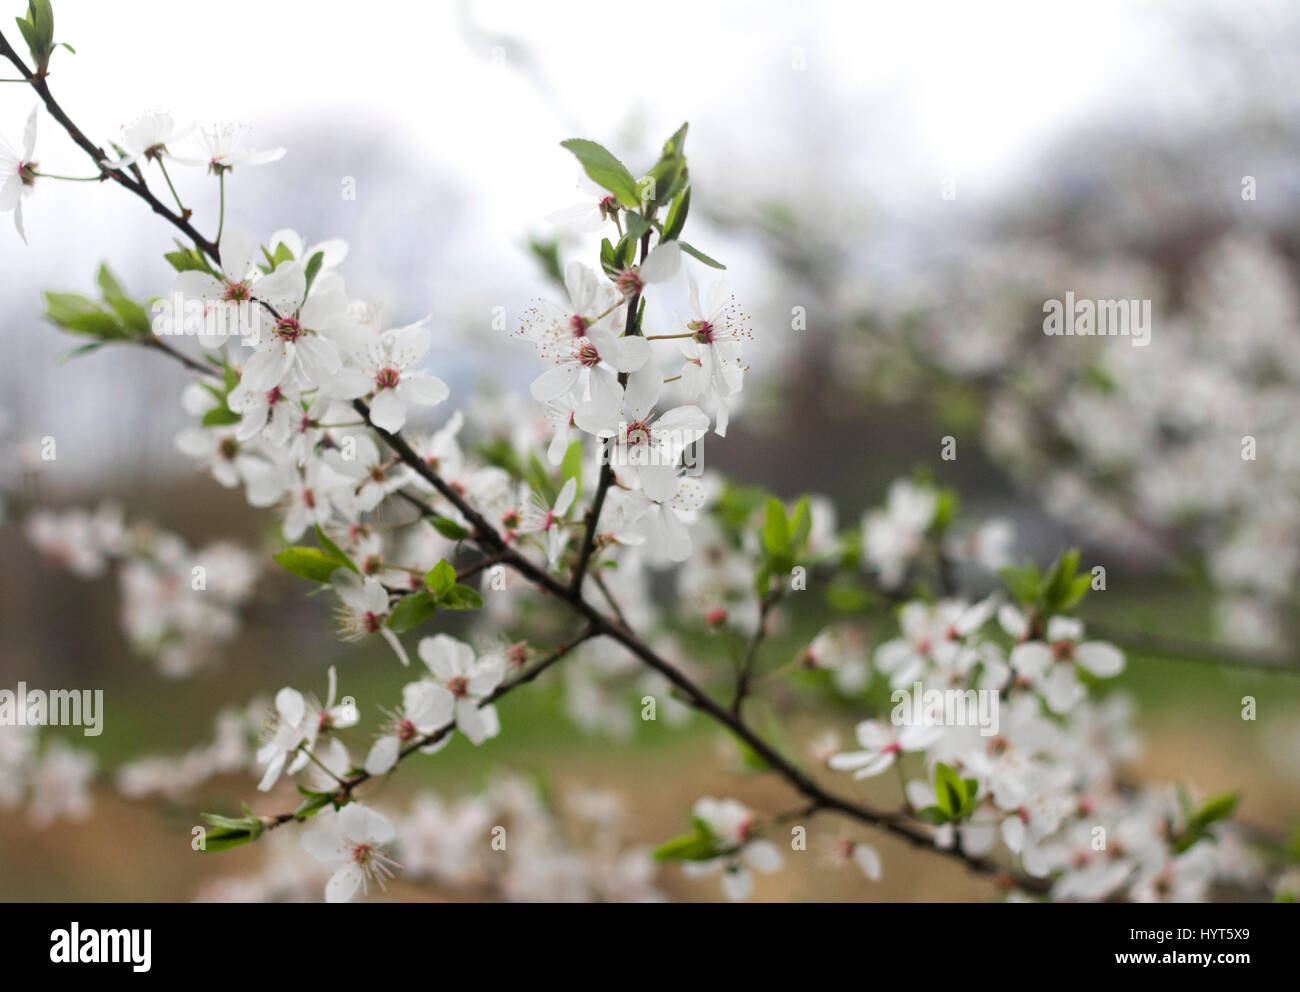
[646, 446]
[661, 265]
[535, 517]
[299, 342]
[841, 650]
[289, 733]
[1049, 665]
[847, 851]
[597, 207]
[18, 174]
[357, 458]
[713, 371]
[236, 286]
[363, 610]
[223, 146]
[384, 368]
[350, 844]
[149, 138]
[593, 305]
[734, 827]
[602, 354]
[426, 708]
[881, 744]
[221, 452]
[468, 680]
[891, 537]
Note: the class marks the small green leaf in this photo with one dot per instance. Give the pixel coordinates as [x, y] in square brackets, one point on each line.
[677, 212]
[330, 548]
[449, 528]
[312, 564]
[571, 466]
[441, 578]
[605, 170]
[1218, 808]
[220, 416]
[699, 255]
[313, 267]
[776, 530]
[461, 598]
[412, 611]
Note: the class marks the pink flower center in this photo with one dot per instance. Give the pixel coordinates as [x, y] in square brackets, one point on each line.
[638, 432]
[237, 292]
[288, 329]
[459, 686]
[405, 730]
[629, 282]
[703, 331]
[578, 325]
[1063, 651]
[387, 378]
[588, 356]
[372, 622]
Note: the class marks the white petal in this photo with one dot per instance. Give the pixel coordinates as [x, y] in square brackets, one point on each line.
[663, 263]
[382, 756]
[388, 412]
[344, 883]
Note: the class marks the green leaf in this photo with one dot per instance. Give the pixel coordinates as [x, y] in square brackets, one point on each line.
[448, 528]
[1218, 808]
[699, 845]
[669, 178]
[636, 224]
[933, 814]
[81, 316]
[547, 254]
[229, 832]
[1021, 582]
[776, 530]
[461, 598]
[308, 563]
[186, 260]
[700, 256]
[949, 792]
[608, 261]
[677, 212]
[441, 577]
[313, 804]
[330, 548]
[313, 267]
[412, 611]
[273, 262]
[605, 170]
[220, 416]
[800, 526]
[571, 466]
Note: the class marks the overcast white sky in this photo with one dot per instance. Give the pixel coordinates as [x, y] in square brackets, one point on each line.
[910, 93]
